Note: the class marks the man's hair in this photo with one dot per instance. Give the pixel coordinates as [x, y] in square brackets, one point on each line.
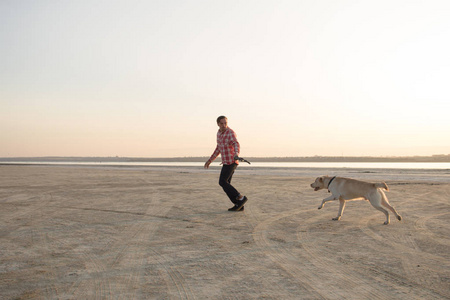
[220, 118]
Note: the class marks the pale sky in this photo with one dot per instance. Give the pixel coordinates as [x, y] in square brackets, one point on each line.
[295, 78]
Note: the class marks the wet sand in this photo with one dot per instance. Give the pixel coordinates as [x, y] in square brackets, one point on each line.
[161, 233]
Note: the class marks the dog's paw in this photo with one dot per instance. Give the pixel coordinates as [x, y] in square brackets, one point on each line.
[399, 217]
[336, 219]
[320, 207]
[386, 223]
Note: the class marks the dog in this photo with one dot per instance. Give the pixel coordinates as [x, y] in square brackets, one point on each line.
[345, 189]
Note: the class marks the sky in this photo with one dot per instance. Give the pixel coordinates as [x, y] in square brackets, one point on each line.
[294, 77]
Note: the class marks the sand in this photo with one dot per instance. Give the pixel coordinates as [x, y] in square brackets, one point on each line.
[155, 233]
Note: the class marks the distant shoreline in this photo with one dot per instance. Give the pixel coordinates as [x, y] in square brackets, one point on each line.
[429, 159]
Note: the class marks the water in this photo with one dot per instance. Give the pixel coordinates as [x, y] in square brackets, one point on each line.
[353, 165]
[322, 165]
[399, 172]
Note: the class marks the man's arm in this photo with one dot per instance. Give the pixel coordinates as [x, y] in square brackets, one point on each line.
[212, 158]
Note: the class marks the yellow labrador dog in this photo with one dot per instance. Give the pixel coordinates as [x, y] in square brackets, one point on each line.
[345, 189]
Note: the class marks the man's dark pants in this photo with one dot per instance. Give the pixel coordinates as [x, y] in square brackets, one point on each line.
[225, 179]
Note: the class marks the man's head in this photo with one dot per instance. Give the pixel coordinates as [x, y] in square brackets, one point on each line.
[222, 122]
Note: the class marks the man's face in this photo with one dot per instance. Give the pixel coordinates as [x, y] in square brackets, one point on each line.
[223, 125]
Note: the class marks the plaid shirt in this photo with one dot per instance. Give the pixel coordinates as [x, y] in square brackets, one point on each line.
[228, 146]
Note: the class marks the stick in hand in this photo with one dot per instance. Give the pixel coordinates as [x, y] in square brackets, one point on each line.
[241, 159]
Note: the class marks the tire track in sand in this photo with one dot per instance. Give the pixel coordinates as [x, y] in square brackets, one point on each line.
[35, 242]
[125, 257]
[52, 291]
[303, 273]
[173, 278]
[405, 249]
[421, 227]
[337, 274]
[254, 215]
[129, 253]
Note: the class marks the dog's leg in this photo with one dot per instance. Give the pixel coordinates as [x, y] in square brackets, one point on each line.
[331, 198]
[341, 209]
[386, 203]
[376, 199]
[385, 212]
[394, 211]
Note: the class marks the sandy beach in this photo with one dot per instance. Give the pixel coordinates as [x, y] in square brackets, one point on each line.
[74, 232]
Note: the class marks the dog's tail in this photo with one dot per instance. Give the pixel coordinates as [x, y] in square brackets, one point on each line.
[382, 185]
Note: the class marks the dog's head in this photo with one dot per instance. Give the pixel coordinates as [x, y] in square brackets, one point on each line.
[318, 184]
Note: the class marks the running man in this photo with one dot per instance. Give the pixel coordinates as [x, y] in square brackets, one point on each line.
[228, 147]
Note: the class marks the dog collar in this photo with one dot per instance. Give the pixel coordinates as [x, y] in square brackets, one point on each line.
[330, 183]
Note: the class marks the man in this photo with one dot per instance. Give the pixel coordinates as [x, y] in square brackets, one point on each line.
[228, 147]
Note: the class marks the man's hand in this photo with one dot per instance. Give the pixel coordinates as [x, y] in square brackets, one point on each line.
[207, 163]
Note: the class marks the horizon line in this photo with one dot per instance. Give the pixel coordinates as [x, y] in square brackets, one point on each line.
[202, 156]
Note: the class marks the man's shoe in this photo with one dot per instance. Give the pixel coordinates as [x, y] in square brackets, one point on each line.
[241, 204]
[232, 208]
[235, 208]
